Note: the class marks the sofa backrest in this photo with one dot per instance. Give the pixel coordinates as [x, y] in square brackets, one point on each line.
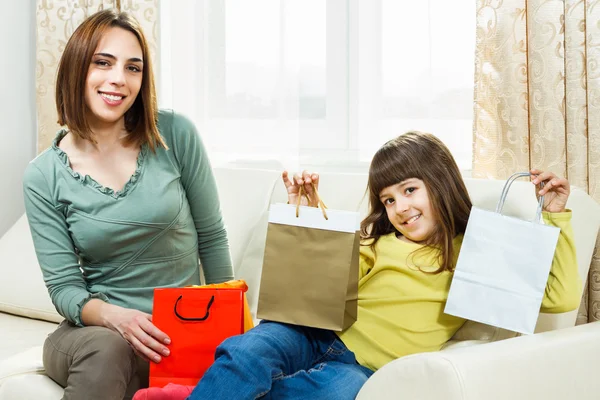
[348, 192]
[245, 196]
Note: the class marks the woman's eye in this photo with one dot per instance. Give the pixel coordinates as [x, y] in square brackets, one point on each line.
[134, 68]
[101, 63]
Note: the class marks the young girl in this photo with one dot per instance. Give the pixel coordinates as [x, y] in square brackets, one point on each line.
[124, 201]
[419, 207]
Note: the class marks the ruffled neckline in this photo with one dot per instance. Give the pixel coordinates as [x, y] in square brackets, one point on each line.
[91, 182]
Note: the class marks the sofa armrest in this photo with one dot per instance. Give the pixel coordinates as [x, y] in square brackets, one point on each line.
[557, 365]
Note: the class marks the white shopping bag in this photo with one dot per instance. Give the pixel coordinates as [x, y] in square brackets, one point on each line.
[502, 268]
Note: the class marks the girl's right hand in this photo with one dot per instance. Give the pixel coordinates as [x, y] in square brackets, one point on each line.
[137, 329]
[307, 179]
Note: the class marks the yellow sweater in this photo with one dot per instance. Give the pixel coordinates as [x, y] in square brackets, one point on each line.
[401, 308]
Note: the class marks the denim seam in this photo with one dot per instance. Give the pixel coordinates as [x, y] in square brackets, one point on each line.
[278, 376]
[330, 351]
[308, 371]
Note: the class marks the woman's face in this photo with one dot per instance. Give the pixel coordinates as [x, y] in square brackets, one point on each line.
[114, 78]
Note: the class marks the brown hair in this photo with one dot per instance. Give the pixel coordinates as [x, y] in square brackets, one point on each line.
[422, 156]
[141, 118]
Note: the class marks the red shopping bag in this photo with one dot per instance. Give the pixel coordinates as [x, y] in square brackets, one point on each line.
[197, 319]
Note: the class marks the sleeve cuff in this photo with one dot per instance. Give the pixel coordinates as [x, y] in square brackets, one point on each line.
[554, 218]
[83, 302]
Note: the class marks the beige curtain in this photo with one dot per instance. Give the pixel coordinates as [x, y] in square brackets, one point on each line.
[56, 21]
[537, 98]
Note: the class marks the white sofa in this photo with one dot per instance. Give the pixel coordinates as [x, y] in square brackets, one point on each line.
[561, 364]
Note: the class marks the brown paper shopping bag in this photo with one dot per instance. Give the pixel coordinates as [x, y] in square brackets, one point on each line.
[310, 267]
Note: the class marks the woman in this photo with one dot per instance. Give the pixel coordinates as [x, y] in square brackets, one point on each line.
[124, 201]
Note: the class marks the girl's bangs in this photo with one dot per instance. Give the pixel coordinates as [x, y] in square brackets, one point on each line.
[391, 166]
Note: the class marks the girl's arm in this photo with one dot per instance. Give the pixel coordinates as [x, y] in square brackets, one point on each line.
[563, 289]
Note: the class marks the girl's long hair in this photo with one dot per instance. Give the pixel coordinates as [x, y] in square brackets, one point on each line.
[422, 156]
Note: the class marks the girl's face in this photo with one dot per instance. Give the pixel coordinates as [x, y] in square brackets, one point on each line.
[409, 210]
[114, 78]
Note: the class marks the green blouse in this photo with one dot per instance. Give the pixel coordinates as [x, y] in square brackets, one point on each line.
[93, 242]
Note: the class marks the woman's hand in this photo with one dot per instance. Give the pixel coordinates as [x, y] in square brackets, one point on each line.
[306, 180]
[555, 191]
[137, 329]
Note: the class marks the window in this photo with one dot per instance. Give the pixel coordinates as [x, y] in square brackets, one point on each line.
[318, 84]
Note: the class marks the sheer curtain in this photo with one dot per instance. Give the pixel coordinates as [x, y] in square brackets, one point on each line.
[318, 84]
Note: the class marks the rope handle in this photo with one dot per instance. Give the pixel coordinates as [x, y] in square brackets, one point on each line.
[506, 188]
[303, 193]
[210, 303]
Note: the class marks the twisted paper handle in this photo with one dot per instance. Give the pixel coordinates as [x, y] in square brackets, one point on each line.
[303, 193]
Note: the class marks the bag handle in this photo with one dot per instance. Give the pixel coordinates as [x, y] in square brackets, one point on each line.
[303, 193]
[507, 184]
[212, 299]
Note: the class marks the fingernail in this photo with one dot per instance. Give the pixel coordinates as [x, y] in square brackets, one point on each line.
[166, 352]
[534, 181]
[167, 341]
[156, 359]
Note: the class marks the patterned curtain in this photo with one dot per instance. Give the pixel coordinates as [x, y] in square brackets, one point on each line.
[537, 98]
[56, 21]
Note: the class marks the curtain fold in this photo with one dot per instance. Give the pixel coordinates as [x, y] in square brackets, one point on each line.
[56, 20]
[537, 98]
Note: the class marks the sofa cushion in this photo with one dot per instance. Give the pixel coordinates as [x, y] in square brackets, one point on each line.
[31, 386]
[22, 377]
[22, 289]
[18, 334]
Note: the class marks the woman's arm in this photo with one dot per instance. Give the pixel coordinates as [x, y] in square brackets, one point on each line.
[201, 190]
[55, 249]
[67, 287]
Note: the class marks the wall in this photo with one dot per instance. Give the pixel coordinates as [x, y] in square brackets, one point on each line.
[17, 105]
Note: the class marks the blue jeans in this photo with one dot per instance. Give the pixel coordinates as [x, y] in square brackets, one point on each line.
[280, 361]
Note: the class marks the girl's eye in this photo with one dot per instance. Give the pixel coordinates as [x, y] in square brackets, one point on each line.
[387, 202]
[410, 190]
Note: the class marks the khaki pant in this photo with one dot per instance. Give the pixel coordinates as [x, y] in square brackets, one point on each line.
[93, 362]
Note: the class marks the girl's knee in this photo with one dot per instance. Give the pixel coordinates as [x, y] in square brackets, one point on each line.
[346, 384]
[234, 345]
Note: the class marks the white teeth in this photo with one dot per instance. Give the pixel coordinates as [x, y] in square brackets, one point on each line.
[413, 219]
[111, 97]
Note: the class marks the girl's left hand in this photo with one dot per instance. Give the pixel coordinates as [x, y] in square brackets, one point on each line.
[555, 191]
